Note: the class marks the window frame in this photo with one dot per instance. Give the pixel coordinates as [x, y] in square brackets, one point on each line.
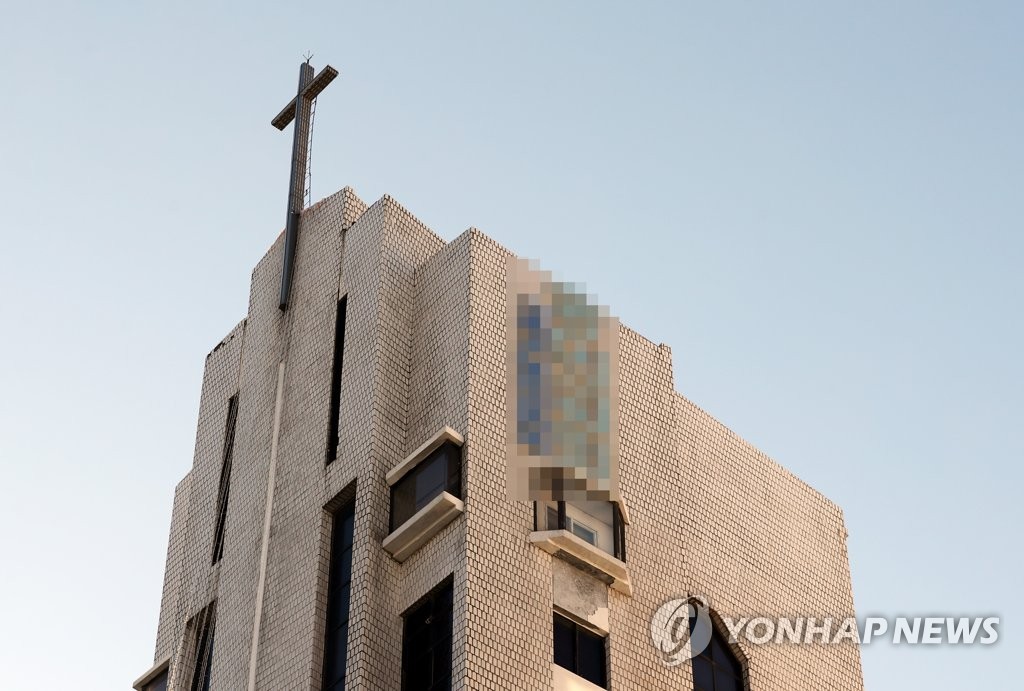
[157, 674]
[578, 630]
[158, 682]
[224, 488]
[571, 524]
[342, 541]
[451, 454]
[337, 367]
[731, 666]
[443, 596]
[566, 523]
[204, 626]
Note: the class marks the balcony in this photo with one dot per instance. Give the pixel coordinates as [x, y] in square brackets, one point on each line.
[589, 535]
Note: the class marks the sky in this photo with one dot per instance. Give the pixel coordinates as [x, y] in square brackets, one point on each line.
[817, 205]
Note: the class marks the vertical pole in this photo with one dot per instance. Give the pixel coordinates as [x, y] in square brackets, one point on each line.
[268, 512]
[300, 144]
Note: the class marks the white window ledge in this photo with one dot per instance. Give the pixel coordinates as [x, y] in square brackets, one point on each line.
[152, 673]
[564, 680]
[424, 524]
[584, 556]
[425, 449]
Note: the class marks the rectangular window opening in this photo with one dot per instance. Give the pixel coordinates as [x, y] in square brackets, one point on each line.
[597, 523]
[225, 479]
[203, 625]
[157, 684]
[580, 650]
[619, 532]
[427, 642]
[156, 681]
[339, 581]
[336, 367]
[584, 533]
[439, 472]
[574, 526]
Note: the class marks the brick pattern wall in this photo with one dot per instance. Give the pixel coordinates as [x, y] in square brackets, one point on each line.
[424, 348]
[508, 588]
[190, 554]
[762, 543]
[651, 479]
[167, 629]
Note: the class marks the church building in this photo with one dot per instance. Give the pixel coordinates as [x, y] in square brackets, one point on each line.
[347, 521]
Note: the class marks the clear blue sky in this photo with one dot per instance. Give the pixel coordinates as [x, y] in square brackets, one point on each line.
[817, 205]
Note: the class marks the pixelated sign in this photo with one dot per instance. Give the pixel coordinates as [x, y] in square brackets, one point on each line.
[563, 390]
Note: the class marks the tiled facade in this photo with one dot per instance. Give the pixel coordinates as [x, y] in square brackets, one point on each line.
[425, 348]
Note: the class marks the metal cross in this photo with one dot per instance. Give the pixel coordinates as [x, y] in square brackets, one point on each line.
[298, 109]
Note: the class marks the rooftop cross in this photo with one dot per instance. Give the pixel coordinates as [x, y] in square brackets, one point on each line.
[298, 109]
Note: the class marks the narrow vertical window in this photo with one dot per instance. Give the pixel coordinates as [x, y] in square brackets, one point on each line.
[225, 479]
[338, 591]
[619, 530]
[204, 650]
[427, 643]
[339, 357]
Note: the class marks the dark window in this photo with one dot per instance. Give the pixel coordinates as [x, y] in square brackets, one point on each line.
[339, 357]
[157, 683]
[338, 590]
[204, 650]
[427, 643]
[618, 532]
[225, 479]
[580, 650]
[441, 471]
[716, 667]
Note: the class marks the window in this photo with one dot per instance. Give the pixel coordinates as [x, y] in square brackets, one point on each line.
[574, 526]
[618, 533]
[225, 479]
[597, 523]
[204, 624]
[580, 650]
[427, 643]
[441, 471]
[590, 535]
[339, 355]
[157, 683]
[338, 591]
[716, 667]
[155, 678]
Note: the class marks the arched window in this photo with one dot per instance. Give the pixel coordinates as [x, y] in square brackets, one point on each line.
[716, 667]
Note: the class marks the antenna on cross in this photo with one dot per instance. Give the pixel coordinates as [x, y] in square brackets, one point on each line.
[298, 109]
